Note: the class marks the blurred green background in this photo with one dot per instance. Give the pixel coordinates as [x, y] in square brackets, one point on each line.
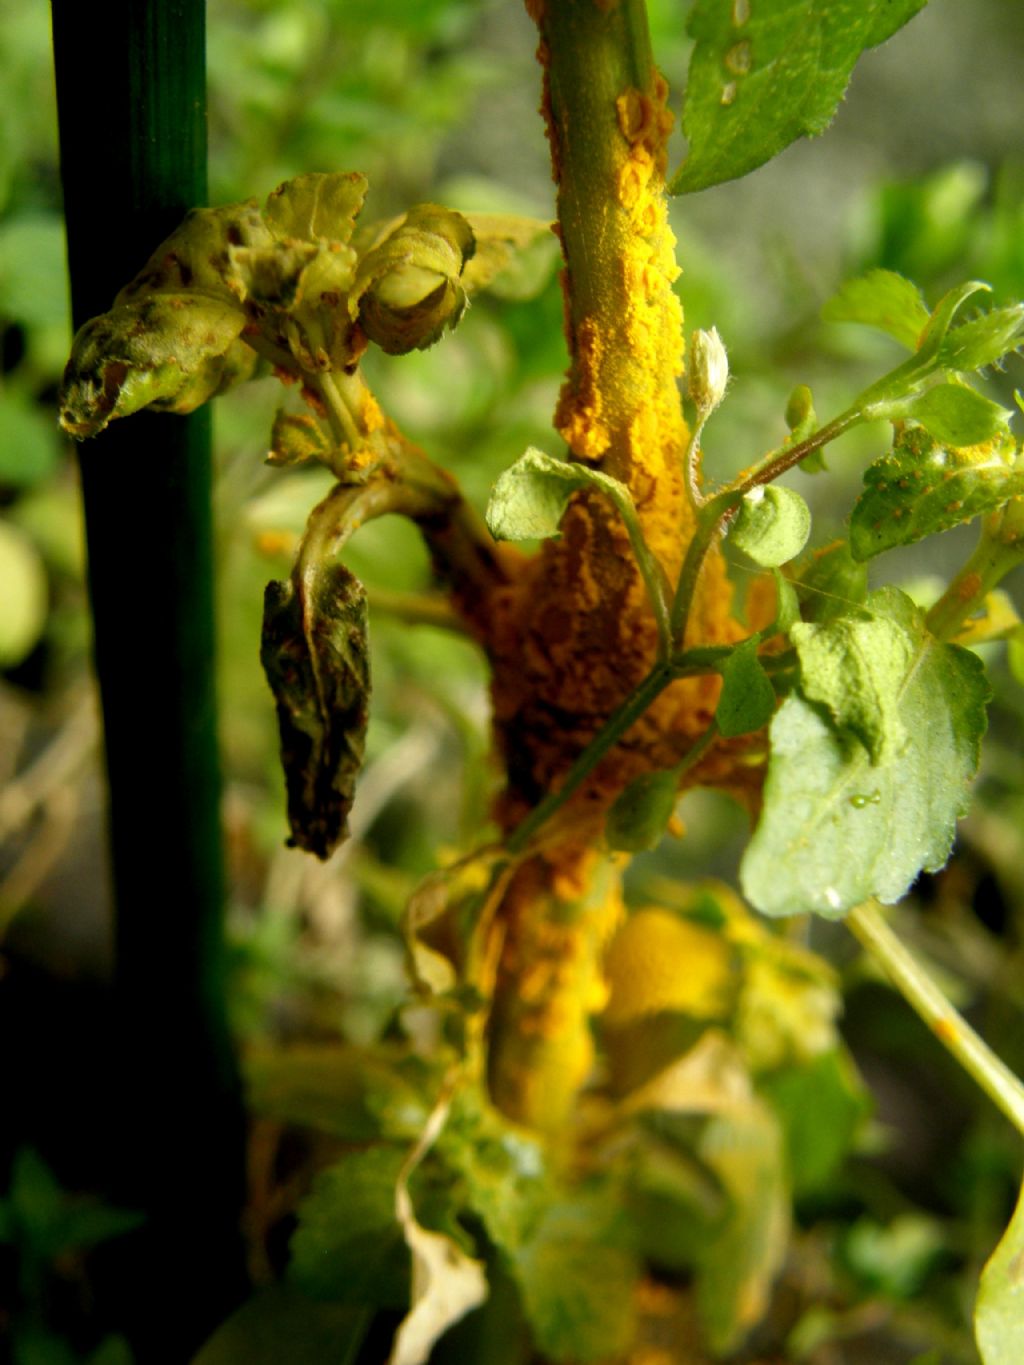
[923, 173]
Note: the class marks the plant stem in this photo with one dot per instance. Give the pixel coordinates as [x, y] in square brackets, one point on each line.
[606, 738]
[999, 549]
[948, 1025]
[709, 523]
[342, 422]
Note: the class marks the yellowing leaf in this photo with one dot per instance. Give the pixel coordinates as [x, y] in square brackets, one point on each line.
[709, 1079]
[999, 1311]
[659, 962]
[744, 1148]
[513, 255]
[446, 1285]
[23, 601]
[316, 207]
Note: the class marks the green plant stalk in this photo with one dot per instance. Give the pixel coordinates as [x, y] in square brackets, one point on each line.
[1000, 548]
[133, 156]
[952, 1030]
[651, 572]
[603, 742]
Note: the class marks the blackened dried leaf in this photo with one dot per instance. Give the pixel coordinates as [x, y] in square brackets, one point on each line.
[315, 655]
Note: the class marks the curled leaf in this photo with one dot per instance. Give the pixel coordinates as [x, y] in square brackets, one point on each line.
[772, 525]
[163, 351]
[446, 1285]
[314, 653]
[164, 342]
[409, 287]
[529, 499]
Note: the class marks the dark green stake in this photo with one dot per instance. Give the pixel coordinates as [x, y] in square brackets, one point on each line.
[131, 99]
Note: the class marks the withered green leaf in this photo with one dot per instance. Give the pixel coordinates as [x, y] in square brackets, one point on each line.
[170, 340]
[316, 207]
[315, 656]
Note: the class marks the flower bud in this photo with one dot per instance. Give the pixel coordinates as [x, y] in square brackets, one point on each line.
[709, 371]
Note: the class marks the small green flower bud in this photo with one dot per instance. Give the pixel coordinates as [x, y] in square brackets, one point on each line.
[800, 416]
[709, 371]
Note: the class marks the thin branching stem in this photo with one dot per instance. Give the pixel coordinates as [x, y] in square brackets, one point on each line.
[949, 1026]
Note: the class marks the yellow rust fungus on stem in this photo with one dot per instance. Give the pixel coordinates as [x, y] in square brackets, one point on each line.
[573, 635]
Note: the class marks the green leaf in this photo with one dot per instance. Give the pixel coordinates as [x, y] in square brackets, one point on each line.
[787, 610]
[831, 582]
[934, 335]
[983, 341]
[577, 1280]
[855, 665]
[922, 487]
[503, 1168]
[315, 655]
[772, 525]
[282, 1324]
[881, 299]
[641, 811]
[821, 1107]
[762, 76]
[529, 499]
[349, 1246]
[739, 1262]
[894, 1260]
[837, 828]
[953, 414]
[999, 1310]
[800, 415]
[747, 700]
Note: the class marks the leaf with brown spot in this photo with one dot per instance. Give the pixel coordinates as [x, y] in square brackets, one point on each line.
[170, 340]
[923, 487]
[315, 656]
